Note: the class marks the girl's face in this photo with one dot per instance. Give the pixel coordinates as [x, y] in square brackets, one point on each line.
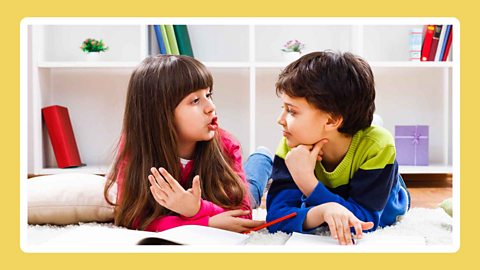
[301, 122]
[195, 118]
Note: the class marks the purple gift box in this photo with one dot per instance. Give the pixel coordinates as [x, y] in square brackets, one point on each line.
[412, 145]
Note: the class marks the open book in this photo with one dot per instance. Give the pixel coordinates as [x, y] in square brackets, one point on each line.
[202, 235]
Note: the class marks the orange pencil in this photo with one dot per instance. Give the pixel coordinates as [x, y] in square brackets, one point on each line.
[275, 221]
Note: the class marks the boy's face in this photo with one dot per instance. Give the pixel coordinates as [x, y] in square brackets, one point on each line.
[302, 123]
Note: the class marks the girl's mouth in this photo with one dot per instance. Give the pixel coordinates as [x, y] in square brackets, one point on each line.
[213, 124]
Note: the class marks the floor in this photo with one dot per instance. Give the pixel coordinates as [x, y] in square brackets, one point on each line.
[427, 197]
[428, 190]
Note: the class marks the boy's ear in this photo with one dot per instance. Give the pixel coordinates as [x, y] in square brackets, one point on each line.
[334, 122]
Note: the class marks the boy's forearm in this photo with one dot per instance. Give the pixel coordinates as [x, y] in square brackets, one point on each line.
[306, 183]
[314, 218]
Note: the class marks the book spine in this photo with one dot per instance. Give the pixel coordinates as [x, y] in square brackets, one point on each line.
[415, 44]
[447, 47]
[168, 50]
[440, 44]
[445, 40]
[183, 40]
[61, 136]
[158, 34]
[435, 38]
[427, 42]
[171, 39]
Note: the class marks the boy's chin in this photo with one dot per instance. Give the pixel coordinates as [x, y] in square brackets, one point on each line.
[291, 144]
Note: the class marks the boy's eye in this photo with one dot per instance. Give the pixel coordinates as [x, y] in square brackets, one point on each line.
[288, 110]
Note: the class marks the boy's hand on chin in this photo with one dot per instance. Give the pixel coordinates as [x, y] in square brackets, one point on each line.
[301, 162]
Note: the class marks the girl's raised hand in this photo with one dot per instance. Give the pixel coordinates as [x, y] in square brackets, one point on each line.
[171, 195]
[231, 221]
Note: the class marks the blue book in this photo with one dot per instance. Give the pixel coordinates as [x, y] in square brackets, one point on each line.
[161, 44]
[445, 40]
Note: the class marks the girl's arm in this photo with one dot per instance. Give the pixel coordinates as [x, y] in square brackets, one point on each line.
[232, 148]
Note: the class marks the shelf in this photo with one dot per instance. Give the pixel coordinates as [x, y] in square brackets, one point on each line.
[81, 64]
[131, 64]
[85, 169]
[230, 64]
[246, 55]
[226, 64]
[432, 169]
[407, 64]
[410, 64]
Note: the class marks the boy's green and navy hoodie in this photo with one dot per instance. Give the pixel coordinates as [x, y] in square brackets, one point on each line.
[366, 182]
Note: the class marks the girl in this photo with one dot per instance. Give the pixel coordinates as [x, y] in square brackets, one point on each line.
[174, 165]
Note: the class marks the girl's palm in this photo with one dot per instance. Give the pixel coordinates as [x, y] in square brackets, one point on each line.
[171, 195]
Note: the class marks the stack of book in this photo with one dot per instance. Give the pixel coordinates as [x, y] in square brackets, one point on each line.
[171, 39]
[436, 43]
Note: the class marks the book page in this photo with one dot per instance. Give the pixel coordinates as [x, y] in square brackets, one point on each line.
[300, 239]
[104, 236]
[202, 235]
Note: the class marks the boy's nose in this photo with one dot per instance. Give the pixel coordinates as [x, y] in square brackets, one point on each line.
[281, 119]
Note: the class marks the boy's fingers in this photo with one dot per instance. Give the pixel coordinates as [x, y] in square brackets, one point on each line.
[333, 228]
[358, 230]
[367, 225]
[341, 236]
[317, 148]
[346, 231]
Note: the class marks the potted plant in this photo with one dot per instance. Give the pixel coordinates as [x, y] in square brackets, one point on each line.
[93, 48]
[292, 50]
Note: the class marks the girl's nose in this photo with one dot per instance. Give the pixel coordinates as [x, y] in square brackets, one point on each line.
[210, 107]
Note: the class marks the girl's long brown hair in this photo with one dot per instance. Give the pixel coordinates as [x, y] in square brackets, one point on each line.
[155, 89]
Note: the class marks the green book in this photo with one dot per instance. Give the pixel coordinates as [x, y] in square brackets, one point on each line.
[171, 39]
[165, 39]
[183, 40]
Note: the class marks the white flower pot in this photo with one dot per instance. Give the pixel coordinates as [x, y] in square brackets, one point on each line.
[92, 56]
[291, 56]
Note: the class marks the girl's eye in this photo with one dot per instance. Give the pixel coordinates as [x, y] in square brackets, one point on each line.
[195, 101]
[209, 95]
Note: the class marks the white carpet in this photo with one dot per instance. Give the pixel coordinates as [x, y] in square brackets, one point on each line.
[434, 225]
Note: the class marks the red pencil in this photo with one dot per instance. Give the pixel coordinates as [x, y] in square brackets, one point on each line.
[275, 221]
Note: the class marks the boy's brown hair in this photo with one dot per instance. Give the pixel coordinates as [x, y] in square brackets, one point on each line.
[341, 84]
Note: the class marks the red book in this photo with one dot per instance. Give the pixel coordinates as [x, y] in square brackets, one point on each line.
[427, 42]
[447, 47]
[436, 37]
[61, 135]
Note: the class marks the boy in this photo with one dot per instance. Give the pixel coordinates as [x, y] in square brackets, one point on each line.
[332, 166]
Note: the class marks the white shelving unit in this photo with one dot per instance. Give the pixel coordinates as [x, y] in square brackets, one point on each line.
[245, 60]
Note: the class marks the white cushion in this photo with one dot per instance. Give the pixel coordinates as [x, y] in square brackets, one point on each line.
[68, 198]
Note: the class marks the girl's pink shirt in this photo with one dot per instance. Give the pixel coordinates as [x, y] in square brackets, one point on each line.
[207, 208]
